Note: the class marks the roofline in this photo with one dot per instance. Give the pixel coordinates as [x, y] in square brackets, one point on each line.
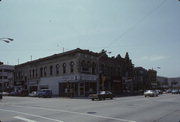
[77, 50]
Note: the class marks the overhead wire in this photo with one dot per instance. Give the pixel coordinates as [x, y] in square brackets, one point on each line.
[136, 24]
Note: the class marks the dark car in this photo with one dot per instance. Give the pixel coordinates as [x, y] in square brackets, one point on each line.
[45, 93]
[101, 95]
[0, 95]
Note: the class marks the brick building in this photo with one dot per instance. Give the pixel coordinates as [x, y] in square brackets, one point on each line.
[78, 71]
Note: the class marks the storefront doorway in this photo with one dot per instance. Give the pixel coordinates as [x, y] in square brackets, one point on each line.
[81, 89]
[68, 89]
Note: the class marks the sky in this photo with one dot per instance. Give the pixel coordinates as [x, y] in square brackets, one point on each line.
[149, 30]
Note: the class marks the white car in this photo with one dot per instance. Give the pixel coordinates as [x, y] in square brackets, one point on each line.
[150, 93]
[33, 94]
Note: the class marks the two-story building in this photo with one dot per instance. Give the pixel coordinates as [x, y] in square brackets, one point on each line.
[79, 72]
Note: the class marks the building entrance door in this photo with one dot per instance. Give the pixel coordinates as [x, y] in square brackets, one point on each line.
[81, 89]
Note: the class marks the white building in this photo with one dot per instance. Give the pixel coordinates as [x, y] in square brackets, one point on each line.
[6, 77]
[73, 71]
[174, 82]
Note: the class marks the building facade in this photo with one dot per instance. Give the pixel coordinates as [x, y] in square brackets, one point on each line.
[77, 73]
[6, 77]
[72, 72]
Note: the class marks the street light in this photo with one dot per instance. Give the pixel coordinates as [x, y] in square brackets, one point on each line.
[7, 40]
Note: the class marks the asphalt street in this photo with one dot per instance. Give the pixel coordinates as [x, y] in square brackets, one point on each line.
[165, 108]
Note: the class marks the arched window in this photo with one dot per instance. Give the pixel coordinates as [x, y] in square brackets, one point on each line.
[29, 74]
[64, 68]
[45, 71]
[36, 73]
[51, 70]
[85, 66]
[93, 68]
[57, 69]
[33, 73]
[41, 71]
[71, 66]
[102, 68]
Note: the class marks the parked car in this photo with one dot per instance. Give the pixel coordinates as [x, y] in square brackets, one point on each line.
[45, 93]
[33, 94]
[23, 92]
[1, 96]
[175, 91]
[5, 93]
[14, 93]
[101, 95]
[150, 93]
[160, 91]
[168, 91]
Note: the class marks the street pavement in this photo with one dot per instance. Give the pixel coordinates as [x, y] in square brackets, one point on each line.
[165, 108]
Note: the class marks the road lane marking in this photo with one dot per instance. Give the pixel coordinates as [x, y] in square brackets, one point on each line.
[31, 115]
[24, 119]
[79, 113]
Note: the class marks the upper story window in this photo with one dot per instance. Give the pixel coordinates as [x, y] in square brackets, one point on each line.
[64, 68]
[93, 68]
[85, 66]
[36, 73]
[41, 71]
[45, 71]
[57, 69]
[33, 73]
[71, 66]
[102, 69]
[51, 70]
[29, 74]
[5, 77]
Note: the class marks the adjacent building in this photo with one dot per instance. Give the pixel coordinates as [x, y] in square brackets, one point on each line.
[6, 77]
[163, 82]
[174, 83]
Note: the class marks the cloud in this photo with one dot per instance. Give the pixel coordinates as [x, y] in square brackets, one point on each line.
[154, 58]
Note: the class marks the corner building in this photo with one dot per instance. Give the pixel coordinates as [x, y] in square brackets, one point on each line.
[74, 73]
